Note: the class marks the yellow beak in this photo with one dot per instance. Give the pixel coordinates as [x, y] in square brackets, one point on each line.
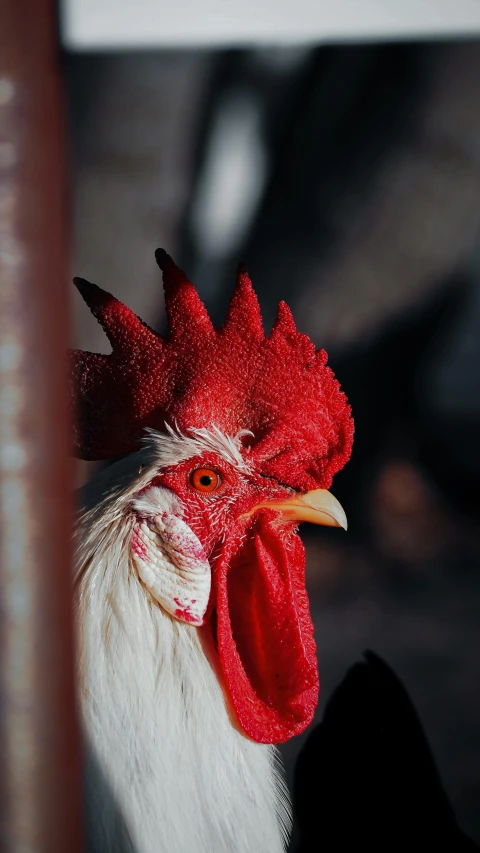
[318, 507]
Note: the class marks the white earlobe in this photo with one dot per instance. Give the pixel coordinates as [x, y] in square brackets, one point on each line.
[172, 564]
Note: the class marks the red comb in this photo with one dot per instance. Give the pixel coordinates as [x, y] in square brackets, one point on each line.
[236, 378]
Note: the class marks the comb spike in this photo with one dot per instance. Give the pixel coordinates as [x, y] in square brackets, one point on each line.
[284, 323]
[321, 357]
[185, 310]
[125, 331]
[243, 314]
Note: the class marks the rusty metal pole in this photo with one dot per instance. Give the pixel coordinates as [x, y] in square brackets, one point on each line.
[39, 754]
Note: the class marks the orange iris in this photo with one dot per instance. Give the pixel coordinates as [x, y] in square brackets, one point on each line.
[205, 479]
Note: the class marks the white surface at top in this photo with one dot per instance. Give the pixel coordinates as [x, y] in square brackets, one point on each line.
[98, 24]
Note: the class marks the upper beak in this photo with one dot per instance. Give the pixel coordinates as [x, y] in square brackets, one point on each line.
[318, 507]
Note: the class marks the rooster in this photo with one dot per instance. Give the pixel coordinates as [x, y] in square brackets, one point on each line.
[196, 652]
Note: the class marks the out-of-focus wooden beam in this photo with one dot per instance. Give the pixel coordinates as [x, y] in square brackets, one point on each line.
[39, 750]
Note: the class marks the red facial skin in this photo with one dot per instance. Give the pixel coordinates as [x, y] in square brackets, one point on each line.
[258, 611]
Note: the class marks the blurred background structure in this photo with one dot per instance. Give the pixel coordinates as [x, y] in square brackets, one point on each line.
[348, 180]
[347, 177]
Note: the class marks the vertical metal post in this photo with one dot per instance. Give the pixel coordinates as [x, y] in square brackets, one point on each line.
[39, 755]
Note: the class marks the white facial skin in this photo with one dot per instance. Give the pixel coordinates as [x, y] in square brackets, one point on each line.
[172, 564]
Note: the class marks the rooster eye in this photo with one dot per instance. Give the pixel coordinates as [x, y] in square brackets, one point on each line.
[205, 479]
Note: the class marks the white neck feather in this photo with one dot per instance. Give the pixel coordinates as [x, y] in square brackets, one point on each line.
[165, 768]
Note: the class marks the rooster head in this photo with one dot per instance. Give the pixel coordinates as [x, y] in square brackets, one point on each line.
[250, 430]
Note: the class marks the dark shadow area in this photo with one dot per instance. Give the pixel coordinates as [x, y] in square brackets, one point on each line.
[366, 778]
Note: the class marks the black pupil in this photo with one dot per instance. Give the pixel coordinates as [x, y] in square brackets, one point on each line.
[206, 480]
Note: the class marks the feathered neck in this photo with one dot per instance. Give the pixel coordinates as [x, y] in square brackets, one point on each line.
[166, 770]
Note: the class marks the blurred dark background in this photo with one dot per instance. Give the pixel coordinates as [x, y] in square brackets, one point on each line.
[348, 180]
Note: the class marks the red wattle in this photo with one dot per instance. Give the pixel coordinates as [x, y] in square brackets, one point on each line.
[265, 634]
